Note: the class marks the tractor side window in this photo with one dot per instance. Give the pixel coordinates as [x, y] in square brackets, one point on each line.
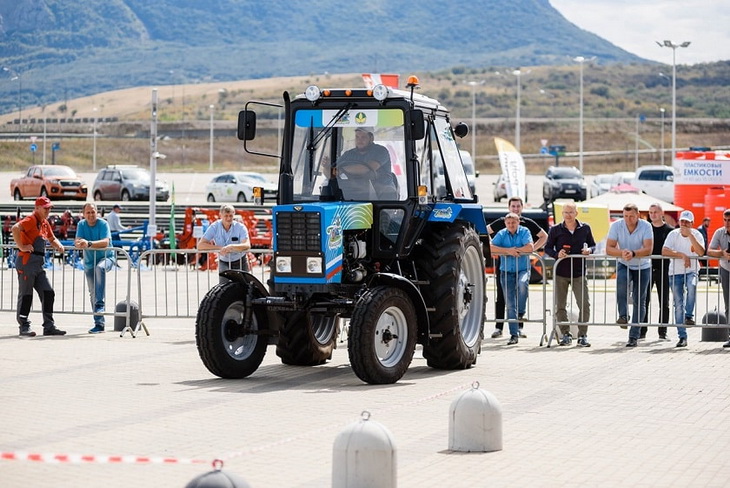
[451, 160]
[391, 220]
[432, 165]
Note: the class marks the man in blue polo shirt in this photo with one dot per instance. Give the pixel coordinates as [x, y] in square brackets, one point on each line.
[230, 239]
[514, 242]
[631, 240]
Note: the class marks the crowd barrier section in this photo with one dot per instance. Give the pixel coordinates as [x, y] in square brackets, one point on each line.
[537, 305]
[602, 293]
[66, 273]
[171, 283]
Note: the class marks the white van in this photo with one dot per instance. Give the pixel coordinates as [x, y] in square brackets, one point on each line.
[657, 181]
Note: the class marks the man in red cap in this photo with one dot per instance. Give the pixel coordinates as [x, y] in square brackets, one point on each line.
[30, 235]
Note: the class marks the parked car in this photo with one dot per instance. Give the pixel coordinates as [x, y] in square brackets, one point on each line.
[237, 186]
[600, 185]
[500, 189]
[563, 182]
[120, 182]
[53, 181]
[470, 170]
[657, 181]
[621, 177]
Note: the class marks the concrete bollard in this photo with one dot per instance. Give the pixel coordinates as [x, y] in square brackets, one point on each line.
[364, 455]
[218, 479]
[475, 422]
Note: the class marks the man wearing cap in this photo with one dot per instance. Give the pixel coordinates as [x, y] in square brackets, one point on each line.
[30, 235]
[370, 161]
[720, 248]
[93, 236]
[684, 244]
[115, 224]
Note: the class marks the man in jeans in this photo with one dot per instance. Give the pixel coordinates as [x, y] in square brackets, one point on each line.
[684, 244]
[514, 243]
[93, 236]
[631, 241]
[720, 248]
[571, 237]
[659, 268]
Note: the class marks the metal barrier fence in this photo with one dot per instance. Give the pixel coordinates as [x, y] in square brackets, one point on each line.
[66, 274]
[537, 307]
[603, 287]
[172, 283]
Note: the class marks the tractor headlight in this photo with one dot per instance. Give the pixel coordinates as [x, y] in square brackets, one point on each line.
[283, 264]
[314, 265]
[312, 93]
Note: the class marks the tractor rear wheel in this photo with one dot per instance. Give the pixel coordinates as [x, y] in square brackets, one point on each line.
[382, 335]
[451, 259]
[228, 346]
[307, 339]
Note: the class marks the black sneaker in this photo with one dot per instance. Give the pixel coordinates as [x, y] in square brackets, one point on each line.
[497, 333]
[663, 337]
[632, 343]
[682, 342]
[513, 340]
[566, 340]
[26, 332]
[583, 342]
[53, 331]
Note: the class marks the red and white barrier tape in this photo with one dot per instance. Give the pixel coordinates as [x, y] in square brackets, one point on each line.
[98, 459]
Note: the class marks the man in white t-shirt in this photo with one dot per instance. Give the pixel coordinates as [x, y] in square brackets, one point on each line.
[684, 244]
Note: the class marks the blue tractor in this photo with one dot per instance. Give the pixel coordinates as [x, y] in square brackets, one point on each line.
[375, 222]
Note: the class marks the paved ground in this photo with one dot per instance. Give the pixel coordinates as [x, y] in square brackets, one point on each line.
[603, 416]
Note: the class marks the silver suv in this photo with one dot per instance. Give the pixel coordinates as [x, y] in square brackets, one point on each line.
[126, 183]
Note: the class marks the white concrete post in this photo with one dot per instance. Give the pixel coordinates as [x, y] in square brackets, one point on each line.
[475, 422]
[364, 456]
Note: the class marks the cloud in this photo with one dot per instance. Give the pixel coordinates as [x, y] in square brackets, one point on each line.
[636, 25]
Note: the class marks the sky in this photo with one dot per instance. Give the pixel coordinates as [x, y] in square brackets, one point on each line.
[635, 25]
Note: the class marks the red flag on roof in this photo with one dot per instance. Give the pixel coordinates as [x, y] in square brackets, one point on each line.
[372, 79]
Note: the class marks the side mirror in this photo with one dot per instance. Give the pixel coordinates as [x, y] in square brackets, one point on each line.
[246, 125]
[418, 128]
[461, 130]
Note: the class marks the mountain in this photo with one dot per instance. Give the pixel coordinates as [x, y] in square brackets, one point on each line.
[60, 49]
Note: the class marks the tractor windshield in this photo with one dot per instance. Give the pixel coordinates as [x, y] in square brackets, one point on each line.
[355, 154]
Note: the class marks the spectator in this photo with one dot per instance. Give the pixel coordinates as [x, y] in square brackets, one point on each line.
[631, 241]
[571, 237]
[539, 236]
[230, 239]
[704, 229]
[93, 233]
[684, 244]
[720, 248]
[659, 269]
[515, 243]
[115, 223]
[30, 235]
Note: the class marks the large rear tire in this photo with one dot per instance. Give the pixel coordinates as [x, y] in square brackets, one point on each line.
[307, 339]
[228, 347]
[451, 259]
[382, 335]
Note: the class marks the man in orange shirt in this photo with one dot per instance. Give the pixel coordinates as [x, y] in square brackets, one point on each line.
[30, 235]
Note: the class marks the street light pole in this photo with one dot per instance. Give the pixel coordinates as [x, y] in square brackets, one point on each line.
[581, 60]
[93, 157]
[210, 164]
[661, 110]
[674, 46]
[518, 74]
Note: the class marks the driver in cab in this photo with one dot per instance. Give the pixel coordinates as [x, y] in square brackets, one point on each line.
[368, 161]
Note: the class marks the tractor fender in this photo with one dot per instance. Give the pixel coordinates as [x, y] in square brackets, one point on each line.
[274, 319]
[245, 277]
[397, 281]
[451, 212]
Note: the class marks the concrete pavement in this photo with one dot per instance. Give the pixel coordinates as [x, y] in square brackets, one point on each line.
[602, 416]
